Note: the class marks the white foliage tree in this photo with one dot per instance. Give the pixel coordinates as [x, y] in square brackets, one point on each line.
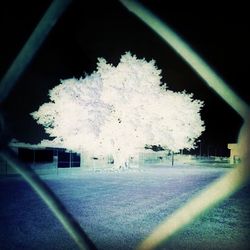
[118, 110]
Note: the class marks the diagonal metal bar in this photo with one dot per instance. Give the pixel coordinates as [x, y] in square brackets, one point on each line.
[229, 183]
[18, 66]
[61, 213]
[189, 55]
[207, 199]
[32, 45]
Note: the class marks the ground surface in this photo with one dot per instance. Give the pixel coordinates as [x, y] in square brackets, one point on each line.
[119, 209]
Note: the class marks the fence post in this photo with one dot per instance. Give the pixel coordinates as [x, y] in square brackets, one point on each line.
[172, 154]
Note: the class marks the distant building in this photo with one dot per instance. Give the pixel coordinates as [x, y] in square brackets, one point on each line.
[234, 153]
[42, 159]
[48, 158]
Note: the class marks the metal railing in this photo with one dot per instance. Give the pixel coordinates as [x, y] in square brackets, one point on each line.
[226, 185]
[53, 13]
[208, 198]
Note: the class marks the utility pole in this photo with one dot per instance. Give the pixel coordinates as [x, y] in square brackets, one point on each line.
[70, 160]
[172, 158]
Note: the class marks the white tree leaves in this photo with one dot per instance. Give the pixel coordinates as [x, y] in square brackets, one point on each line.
[117, 110]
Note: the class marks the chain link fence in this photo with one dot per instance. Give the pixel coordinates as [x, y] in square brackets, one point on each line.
[208, 198]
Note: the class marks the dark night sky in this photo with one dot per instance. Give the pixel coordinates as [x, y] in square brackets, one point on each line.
[106, 29]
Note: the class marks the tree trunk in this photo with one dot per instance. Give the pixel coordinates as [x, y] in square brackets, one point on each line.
[120, 162]
[85, 160]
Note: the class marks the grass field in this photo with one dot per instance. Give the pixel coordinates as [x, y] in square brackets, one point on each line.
[119, 209]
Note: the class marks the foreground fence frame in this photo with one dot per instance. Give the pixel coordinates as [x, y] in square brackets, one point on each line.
[218, 190]
[226, 185]
[23, 59]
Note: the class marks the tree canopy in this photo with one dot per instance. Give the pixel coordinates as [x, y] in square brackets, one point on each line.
[119, 109]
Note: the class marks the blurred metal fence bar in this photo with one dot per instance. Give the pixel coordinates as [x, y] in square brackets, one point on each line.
[229, 183]
[61, 213]
[55, 10]
[189, 55]
[24, 57]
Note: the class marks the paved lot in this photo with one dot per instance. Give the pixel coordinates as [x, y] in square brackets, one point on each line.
[119, 209]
